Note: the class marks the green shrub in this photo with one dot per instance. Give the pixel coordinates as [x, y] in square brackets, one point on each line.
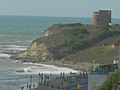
[112, 81]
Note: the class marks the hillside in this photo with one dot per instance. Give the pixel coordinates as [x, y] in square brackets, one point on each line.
[76, 43]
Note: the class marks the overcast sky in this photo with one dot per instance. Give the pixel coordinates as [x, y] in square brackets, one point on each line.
[63, 8]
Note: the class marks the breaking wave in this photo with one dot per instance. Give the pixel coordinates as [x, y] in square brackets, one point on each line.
[13, 47]
[36, 68]
[2, 55]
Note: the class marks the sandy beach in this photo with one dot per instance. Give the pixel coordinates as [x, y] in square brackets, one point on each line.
[76, 66]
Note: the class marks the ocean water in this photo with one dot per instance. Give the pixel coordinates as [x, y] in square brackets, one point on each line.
[16, 33]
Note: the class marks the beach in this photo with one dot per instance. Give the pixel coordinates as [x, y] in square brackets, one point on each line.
[71, 81]
[75, 66]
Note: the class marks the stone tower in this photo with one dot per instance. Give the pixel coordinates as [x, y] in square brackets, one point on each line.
[101, 18]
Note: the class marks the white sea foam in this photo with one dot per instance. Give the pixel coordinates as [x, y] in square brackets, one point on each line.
[39, 64]
[20, 49]
[2, 55]
[36, 68]
[18, 41]
[15, 61]
[24, 41]
[27, 69]
[24, 69]
[29, 41]
[13, 47]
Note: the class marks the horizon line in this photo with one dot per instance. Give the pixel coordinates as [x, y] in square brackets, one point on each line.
[55, 16]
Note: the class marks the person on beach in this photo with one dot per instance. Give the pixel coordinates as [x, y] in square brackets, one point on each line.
[78, 86]
[30, 87]
[22, 88]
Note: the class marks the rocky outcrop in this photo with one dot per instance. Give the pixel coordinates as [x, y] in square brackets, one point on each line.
[35, 53]
[73, 42]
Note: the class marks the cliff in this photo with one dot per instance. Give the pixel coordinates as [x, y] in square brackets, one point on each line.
[75, 43]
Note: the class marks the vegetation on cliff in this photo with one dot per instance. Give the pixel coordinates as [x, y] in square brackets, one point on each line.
[76, 42]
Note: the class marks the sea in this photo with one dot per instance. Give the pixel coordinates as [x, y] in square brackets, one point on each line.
[16, 34]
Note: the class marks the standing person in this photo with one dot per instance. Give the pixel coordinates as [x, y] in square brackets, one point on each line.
[52, 87]
[27, 86]
[22, 88]
[42, 78]
[31, 80]
[33, 85]
[39, 77]
[94, 87]
[78, 86]
[30, 87]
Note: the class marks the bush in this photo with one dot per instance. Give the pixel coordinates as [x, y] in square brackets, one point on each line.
[103, 34]
[112, 82]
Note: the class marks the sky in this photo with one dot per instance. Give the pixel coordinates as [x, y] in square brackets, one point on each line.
[62, 8]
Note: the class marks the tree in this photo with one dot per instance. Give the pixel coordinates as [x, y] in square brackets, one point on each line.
[112, 82]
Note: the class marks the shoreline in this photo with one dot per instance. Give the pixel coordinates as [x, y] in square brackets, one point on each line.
[77, 66]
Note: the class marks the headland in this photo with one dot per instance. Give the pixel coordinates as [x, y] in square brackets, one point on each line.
[74, 45]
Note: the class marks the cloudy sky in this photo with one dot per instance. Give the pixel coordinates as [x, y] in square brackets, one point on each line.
[63, 8]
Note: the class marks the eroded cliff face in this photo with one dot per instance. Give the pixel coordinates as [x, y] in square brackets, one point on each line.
[35, 52]
[38, 51]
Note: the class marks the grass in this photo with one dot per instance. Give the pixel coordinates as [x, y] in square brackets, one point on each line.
[81, 43]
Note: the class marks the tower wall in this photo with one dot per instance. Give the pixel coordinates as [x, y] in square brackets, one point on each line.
[101, 18]
[95, 21]
[104, 17]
